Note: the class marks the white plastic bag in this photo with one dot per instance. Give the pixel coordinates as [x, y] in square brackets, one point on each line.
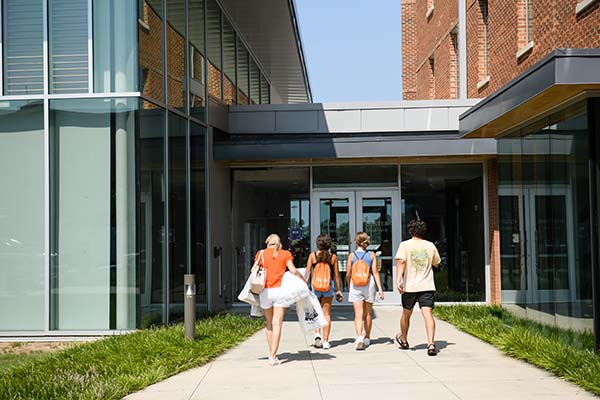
[310, 314]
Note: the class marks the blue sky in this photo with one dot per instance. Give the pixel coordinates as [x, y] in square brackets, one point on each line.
[352, 49]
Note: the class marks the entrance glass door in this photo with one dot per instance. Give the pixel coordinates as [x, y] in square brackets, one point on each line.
[342, 214]
[535, 234]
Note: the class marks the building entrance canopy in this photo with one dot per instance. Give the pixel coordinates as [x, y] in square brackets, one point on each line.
[350, 130]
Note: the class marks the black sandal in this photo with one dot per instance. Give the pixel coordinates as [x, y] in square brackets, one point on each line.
[431, 350]
[403, 345]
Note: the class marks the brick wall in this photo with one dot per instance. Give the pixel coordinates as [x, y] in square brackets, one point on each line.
[409, 50]
[555, 25]
[494, 231]
[425, 37]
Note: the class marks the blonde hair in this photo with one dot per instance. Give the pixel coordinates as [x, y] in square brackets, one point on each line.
[362, 240]
[274, 238]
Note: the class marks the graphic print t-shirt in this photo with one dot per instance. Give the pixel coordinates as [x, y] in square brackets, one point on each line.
[419, 255]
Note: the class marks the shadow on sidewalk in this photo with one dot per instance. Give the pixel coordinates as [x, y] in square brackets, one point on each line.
[303, 355]
[439, 344]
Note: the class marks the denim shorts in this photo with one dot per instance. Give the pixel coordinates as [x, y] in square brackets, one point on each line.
[328, 293]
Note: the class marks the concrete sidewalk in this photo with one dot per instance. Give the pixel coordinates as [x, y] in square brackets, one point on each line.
[465, 368]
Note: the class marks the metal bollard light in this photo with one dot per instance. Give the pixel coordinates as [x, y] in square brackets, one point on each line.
[189, 306]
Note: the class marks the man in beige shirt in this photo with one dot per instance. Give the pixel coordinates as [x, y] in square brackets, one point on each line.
[415, 260]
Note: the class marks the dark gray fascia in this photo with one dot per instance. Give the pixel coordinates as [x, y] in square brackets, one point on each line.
[560, 67]
[360, 146]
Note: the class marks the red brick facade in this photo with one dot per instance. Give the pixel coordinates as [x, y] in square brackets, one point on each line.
[554, 24]
[429, 62]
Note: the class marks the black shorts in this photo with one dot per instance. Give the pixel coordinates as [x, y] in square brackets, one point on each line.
[425, 299]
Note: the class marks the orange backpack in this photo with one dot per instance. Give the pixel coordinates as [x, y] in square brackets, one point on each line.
[361, 271]
[321, 276]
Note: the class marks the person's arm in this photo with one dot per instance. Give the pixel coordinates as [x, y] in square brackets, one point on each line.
[349, 269]
[290, 264]
[336, 274]
[376, 275]
[309, 264]
[400, 268]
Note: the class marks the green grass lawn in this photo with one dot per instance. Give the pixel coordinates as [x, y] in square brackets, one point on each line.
[565, 353]
[114, 367]
[14, 360]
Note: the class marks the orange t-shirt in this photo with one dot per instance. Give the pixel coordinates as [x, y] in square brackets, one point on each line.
[275, 266]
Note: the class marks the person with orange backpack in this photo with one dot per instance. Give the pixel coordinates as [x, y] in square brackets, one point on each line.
[362, 276]
[323, 274]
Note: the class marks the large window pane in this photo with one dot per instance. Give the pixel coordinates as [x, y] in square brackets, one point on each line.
[198, 207]
[151, 60]
[152, 263]
[213, 22]
[92, 214]
[254, 82]
[449, 198]
[544, 185]
[229, 94]
[22, 216]
[176, 53]
[23, 34]
[265, 90]
[177, 235]
[197, 61]
[115, 50]
[68, 46]
[243, 73]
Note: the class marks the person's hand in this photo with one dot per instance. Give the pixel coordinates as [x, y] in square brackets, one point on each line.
[339, 296]
[381, 295]
[401, 287]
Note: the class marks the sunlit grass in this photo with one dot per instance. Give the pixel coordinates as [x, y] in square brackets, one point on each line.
[114, 367]
[565, 353]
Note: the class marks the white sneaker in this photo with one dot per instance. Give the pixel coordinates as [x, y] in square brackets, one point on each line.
[367, 342]
[360, 343]
[326, 345]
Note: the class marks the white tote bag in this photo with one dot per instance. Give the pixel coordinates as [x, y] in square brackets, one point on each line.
[310, 314]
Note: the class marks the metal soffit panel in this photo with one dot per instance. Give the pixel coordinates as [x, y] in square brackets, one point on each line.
[269, 29]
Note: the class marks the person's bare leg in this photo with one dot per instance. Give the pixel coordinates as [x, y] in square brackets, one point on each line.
[368, 317]
[326, 306]
[358, 317]
[429, 323]
[278, 313]
[405, 323]
[269, 319]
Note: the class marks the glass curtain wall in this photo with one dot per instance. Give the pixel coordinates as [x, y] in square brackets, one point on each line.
[92, 160]
[213, 23]
[151, 228]
[243, 74]
[545, 219]
[229, 53]
[22, 47]
[68, 46]
[177, 233]
[115, 49]
[197, 84]
[198, 220]
[449, 198]
[151, 58]
[176, 46]
[22, 287]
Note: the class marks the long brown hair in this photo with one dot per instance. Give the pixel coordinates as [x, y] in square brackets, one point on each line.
[324, 244]
[362, 240]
